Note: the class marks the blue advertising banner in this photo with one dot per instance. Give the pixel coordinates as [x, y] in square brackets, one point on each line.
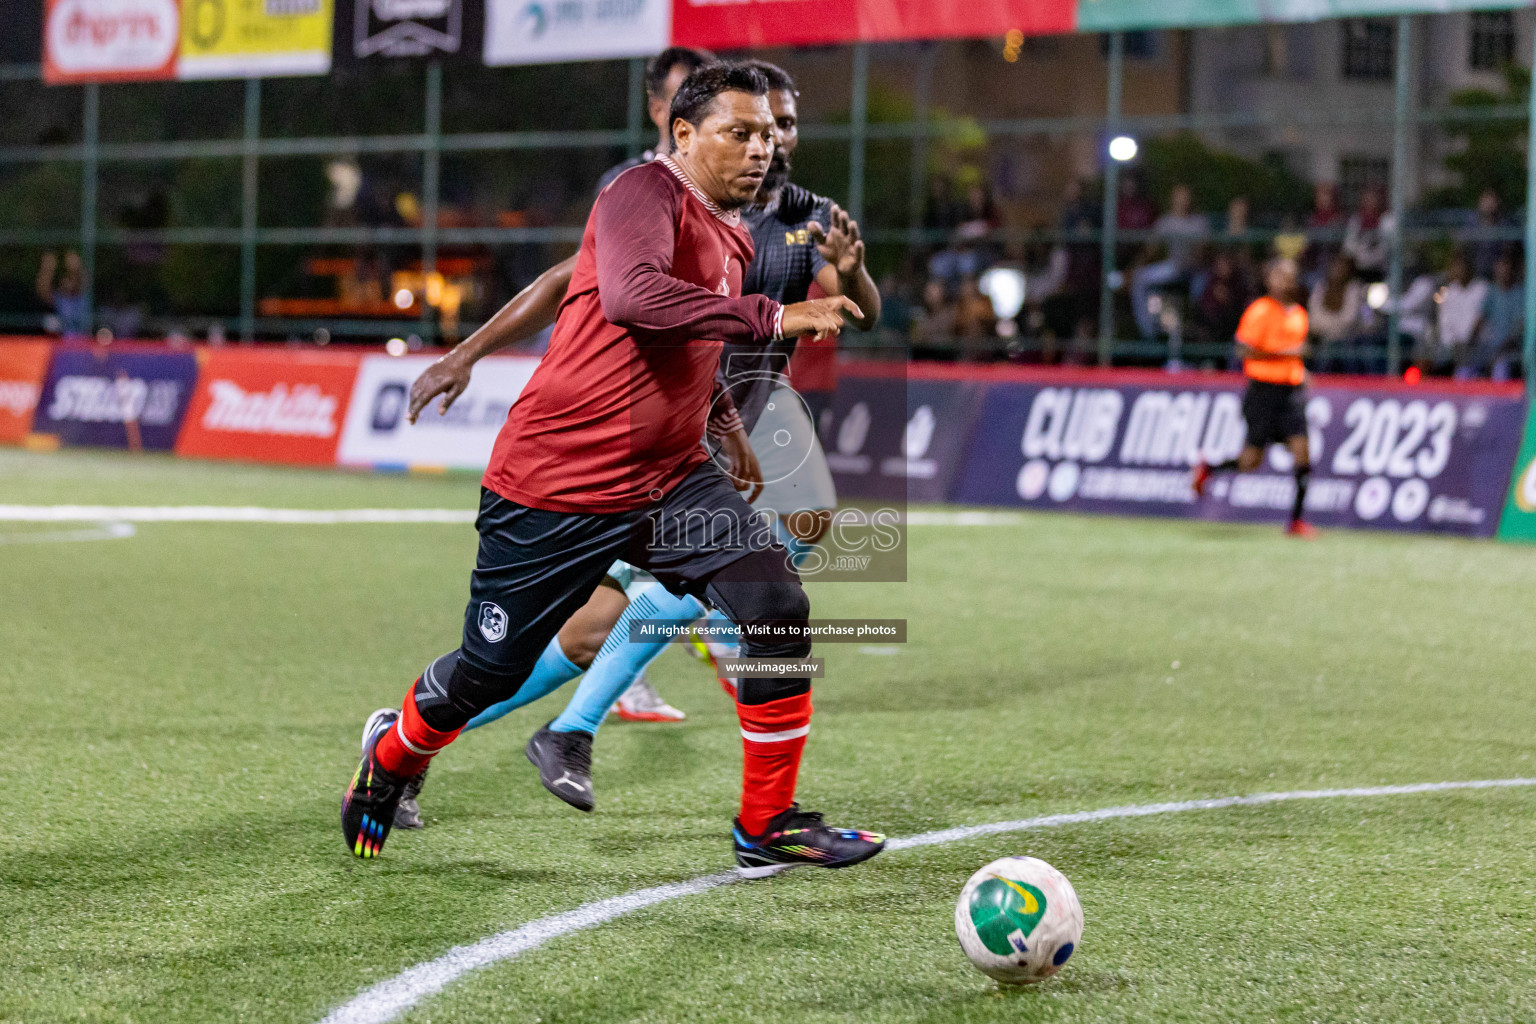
[116, 397]
[892, 439]
[1384, 457]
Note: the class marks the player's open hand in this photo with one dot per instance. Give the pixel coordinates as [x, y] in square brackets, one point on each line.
[820, 317]
[839, 242]
[449, 376]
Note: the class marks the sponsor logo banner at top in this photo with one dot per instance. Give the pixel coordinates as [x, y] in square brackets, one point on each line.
[135, 40]
[546, 31]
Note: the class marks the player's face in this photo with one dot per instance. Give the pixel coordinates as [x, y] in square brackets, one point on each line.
[786, 136]
[661, 106]
[729, 151]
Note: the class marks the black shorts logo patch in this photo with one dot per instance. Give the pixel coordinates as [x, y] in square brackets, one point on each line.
[493, 621]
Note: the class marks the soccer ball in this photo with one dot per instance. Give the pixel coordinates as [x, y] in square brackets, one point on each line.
[1018, 920]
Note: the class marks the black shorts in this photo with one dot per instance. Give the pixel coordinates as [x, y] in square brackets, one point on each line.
[535, 568]
[1275, 413]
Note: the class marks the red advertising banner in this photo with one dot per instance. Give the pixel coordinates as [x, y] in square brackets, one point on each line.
[23, 366]
[269, 405]
[738, 24]
[110, 40]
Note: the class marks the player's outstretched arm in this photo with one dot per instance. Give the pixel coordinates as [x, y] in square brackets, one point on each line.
[530, 311]
[840, 244]
[820, 317]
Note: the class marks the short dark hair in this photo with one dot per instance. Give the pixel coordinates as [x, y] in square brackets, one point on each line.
[779, 80]
[660, 66]
[698, 91]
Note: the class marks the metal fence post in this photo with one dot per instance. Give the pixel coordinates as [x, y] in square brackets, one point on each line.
[430, 185]
[1528, 348]
[91, 143]
[1400, 129]
[858, 122]
[1107, 235]
[922, 97]
[637, 107]
[248, 190]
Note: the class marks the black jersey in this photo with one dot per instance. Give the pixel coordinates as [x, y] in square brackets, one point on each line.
[785, 262]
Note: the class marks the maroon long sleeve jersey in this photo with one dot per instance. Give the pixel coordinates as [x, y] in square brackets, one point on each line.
[613, 417]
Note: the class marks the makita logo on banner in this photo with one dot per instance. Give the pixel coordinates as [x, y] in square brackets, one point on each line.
[303, 411]
[18, 397]
[152, 403]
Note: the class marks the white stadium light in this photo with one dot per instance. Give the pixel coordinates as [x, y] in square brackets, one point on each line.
[1123, 148]
[395, 346]
[403, 298]
[1376, 294]
[1005, 287]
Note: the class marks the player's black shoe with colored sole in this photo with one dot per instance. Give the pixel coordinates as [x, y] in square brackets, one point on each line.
[407, 813]
[564, 761]
[799, 837]
[368, 806]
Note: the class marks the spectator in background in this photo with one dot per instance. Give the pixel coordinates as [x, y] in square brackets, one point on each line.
[63, 290]
[1502, 325]
[1368, 235]
[1237, 219]
[1335, 312]
[1325, 207]
[1133, 211]
[975, 321]
[1226, 294]
[933, 327]
[1461, 302]
[967, 254]
[1180, 231]
[1488, 218]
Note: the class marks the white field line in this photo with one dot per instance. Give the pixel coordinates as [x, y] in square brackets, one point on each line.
[102, 531]
[389, 999]
[229, 514]
[333, 517]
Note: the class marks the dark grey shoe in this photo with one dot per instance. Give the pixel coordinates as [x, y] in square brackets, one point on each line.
[408, 814]
[564, 761]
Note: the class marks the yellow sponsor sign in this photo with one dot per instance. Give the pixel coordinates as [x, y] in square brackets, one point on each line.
[242, 38]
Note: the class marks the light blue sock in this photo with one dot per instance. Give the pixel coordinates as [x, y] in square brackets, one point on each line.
[798, 549]
[620, 661]
[552, 671]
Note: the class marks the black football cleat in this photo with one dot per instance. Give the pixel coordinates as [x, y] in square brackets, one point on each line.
[408, 813]
[799, 837]
[368, 806]
[564, 761]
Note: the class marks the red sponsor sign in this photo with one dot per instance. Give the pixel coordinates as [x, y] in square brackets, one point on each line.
[738, 24]
[110, 40]
[269, 406]
[23, 367]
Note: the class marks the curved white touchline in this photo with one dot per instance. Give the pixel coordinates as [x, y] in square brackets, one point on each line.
[102, 531]
[388, 999]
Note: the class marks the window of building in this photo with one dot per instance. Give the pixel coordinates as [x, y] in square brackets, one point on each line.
[1492, 40]
[1368, 49]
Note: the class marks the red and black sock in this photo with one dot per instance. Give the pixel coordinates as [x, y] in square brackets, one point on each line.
[773, 738]
[410, 743]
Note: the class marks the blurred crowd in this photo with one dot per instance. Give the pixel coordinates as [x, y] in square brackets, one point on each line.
[1183, 276]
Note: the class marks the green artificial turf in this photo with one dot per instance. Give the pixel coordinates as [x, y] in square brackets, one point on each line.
[181, 712]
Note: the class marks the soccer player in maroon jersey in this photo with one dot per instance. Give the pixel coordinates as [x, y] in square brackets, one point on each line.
[600, 460]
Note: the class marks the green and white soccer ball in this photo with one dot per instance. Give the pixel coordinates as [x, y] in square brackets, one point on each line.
[1018, 920]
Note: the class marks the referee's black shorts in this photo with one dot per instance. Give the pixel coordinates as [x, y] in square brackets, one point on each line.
[1275, 413]
[535, 568]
